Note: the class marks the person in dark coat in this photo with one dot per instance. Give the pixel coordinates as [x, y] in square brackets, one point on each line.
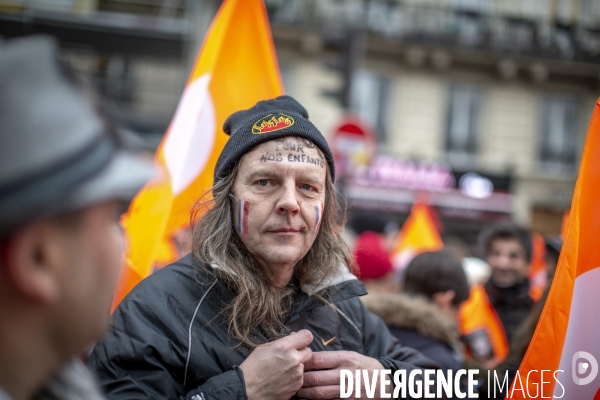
[265, 307]
[494, 311]
[523, 335]
[64, 176]
[508, 250]
[424, 315]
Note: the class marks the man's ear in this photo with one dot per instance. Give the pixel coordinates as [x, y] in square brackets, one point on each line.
[32, 257]
[444, 299]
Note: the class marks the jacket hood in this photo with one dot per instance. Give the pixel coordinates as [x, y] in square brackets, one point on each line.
[416, 313]
[342, 274]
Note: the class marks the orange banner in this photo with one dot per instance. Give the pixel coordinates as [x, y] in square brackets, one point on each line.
[566, 337]
[235, 68]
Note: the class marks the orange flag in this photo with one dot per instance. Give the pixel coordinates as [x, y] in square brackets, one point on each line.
[418, 234]
[537, 272]
[235, 68]
[566, 337]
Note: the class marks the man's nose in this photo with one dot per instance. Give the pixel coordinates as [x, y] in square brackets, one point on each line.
[288, 201]
[503, 261]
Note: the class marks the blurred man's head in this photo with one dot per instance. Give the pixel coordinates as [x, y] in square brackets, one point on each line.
[63, 183]
[63, 269]
[438, 276]
[508, 251]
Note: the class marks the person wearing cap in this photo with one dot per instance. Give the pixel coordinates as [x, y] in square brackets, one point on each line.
[63, 178]
[265, 307]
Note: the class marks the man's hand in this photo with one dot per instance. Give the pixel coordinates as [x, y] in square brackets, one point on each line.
[322, 374]
[275, 370]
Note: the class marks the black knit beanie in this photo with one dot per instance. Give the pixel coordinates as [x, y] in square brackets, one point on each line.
[267, 120]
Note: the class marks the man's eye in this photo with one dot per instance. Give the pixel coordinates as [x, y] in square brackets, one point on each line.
[305, 186]
[263, 182]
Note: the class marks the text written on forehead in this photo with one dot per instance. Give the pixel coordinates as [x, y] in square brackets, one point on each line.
[303, 158]
[290, 145]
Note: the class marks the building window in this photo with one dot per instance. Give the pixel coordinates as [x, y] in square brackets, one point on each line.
[462, 128]
[369, 99]
[558, 139]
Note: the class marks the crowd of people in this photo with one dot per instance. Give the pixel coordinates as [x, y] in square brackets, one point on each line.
[431, 306]
[270, 304]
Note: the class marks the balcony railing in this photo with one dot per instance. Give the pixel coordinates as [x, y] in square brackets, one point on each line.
[482, 27]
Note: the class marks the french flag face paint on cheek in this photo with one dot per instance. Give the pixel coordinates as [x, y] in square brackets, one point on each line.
[319, 216]
[243, 207]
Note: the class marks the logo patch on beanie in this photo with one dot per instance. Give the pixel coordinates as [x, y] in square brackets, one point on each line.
[272, 122]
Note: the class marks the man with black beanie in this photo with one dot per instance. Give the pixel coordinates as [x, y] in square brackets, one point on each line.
[265, 307]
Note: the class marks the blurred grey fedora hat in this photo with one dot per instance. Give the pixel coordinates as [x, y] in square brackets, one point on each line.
[56, 153]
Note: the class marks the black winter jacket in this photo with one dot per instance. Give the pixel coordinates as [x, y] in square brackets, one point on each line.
[169, 339]
[440, 352]
[513, 304]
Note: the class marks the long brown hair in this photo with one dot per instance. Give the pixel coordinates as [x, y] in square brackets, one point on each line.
[257, 310]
